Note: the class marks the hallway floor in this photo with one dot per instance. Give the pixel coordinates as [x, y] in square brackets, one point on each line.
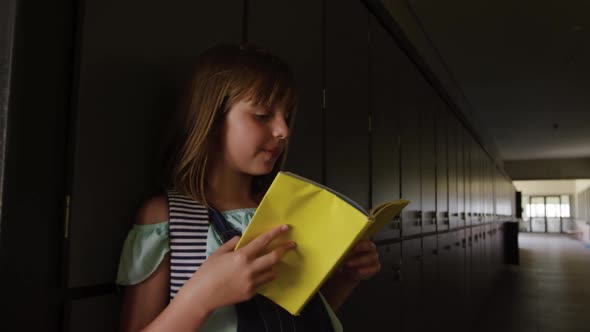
[549, 291]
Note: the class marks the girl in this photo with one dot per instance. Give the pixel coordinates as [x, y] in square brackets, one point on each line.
[178, 262]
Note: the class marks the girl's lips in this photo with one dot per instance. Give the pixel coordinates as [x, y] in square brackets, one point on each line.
[274, 153]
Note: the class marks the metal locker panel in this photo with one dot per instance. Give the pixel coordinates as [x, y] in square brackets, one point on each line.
[100, 313]
[460, 138]
[460, 282]
[451, 271]
[385, 123]
[474, 181]
[453, 171]
[347, 100]
[415, 101]
[488, 189]
[428, 165]
[476, 284]
[446, 286]
[477, 181]
[443, 182]
[412, 316]
[467, 177]
[129, 84]
[431, 282]
[302, 51]
[376, 304]
[489, 272]
[470, 263]
[410, 173]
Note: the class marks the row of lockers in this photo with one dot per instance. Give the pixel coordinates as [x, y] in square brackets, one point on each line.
[437, 282]
[370, 124]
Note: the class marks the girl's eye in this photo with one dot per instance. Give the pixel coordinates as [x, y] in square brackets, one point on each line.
[262, 116]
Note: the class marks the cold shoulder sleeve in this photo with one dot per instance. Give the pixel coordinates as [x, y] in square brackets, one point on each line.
[144, 249]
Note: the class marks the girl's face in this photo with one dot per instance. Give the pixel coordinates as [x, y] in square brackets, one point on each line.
[253, 138]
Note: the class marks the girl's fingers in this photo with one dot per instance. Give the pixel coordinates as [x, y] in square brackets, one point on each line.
[257, 245]
[272, 258]
[264, 277]
[363, 245]
[361, 260]
[229, 245]
[367, 272]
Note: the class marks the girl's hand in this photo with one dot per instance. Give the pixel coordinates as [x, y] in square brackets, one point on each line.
[361, 263]
[229, 276]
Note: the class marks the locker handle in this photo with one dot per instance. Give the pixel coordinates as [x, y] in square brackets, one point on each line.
[398, 275]
[448, 247]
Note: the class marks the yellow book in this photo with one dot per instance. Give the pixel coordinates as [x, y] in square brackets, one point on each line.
[324, 224]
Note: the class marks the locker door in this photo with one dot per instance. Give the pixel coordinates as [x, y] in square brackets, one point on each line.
[488, 271]
[470, 264]
[443, 198]
[430, 283]
[415, 101]
[130, 77]
[478, 187]
[445, 288]
[453, 171]
[428, 164]
[410, 173]
[461, 196]
[95, 314]
[347, 116]
[376, 304]
[468, 177]
[303, 53]
[412, 316]
[488, 189]
[460, 281]
[452, 286]
[476, 268]
[385, 123]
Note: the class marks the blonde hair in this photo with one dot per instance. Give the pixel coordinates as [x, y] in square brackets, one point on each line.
[224, 75]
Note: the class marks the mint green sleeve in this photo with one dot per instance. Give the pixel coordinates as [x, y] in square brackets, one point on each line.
[144, 249]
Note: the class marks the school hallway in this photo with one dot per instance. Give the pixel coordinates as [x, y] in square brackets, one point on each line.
[476, 112]
[548, 292]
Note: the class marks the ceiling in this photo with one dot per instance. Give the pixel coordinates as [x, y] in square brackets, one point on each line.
[524, 66]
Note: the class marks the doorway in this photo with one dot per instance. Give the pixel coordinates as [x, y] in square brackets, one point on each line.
[546, 214]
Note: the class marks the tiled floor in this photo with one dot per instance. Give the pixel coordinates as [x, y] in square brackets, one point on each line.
[549, 291]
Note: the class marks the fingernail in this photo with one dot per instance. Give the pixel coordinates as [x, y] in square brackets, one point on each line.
[285, 227]
[292, 245]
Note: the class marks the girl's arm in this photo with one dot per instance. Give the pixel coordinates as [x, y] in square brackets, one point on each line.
[143, 302]
[337, 289]
[226, 277]
[361, 263]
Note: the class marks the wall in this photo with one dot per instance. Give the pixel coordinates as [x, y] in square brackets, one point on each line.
[548, 169]
[546, 187]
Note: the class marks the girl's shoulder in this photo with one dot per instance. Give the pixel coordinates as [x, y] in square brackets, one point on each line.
[153, 211]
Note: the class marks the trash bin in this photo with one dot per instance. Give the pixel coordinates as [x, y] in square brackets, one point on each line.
[511, 253]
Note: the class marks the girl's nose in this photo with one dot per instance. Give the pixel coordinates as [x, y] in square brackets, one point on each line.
[280, 128]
